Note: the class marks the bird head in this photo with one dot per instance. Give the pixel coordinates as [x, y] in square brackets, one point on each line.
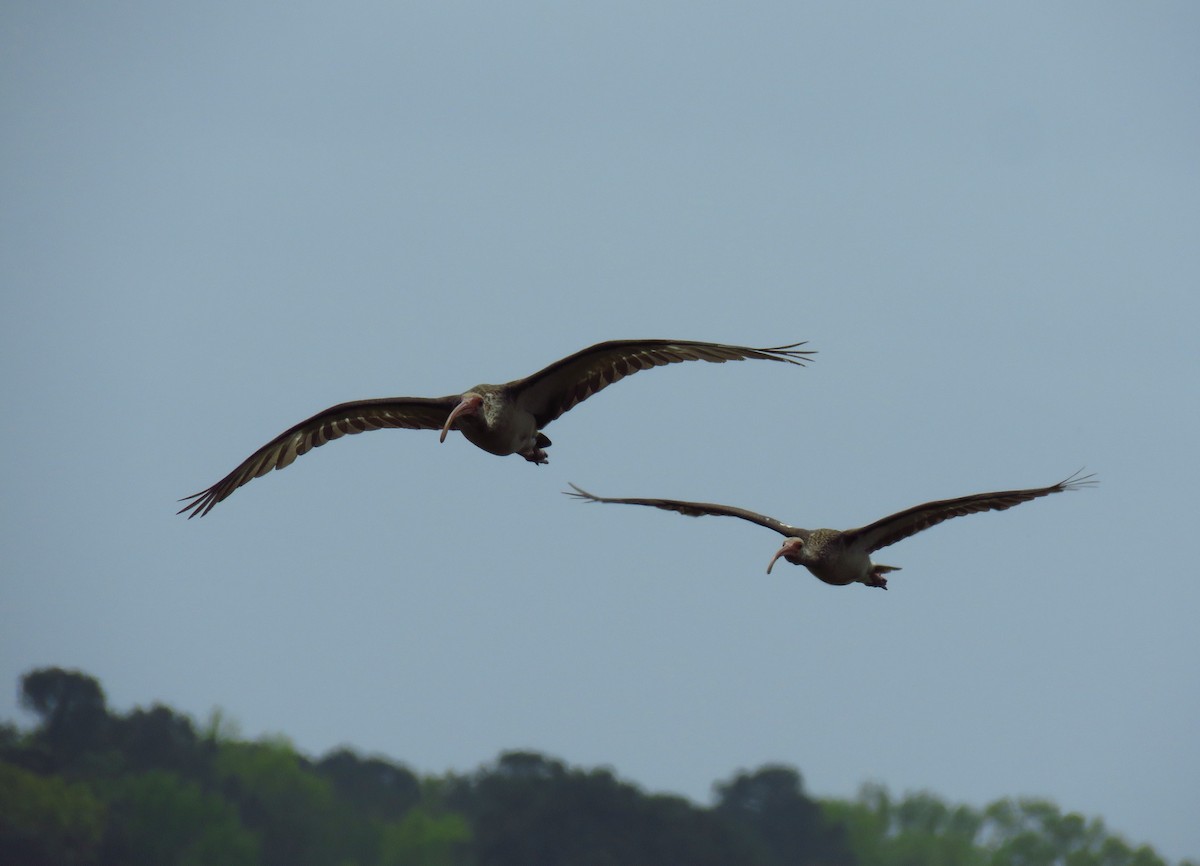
[790, 551]
[468, 405]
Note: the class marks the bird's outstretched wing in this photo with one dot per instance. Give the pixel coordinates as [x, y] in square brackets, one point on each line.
[901, 525]
[550, 392]
[698, 509]
[426, 413]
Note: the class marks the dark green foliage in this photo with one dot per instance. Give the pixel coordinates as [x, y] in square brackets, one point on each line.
[771, 805]
[425, 838]
[921, 830]
[291, 809]
[46, 820]
[87, 787]
[160, 738]
[156, 817]
[375, 787]
[534, 811]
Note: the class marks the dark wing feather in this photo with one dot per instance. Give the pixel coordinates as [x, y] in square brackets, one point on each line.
[550, 392]
[901, 525]
[698, 509]
[426, 413]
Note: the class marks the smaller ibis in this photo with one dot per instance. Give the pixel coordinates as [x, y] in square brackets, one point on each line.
[841, 557]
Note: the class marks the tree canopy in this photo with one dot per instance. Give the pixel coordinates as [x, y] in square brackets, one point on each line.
[89, 787]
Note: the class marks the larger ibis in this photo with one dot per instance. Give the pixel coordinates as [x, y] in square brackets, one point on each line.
[500, 419]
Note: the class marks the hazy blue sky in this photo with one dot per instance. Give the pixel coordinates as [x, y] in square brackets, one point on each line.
[220, 218]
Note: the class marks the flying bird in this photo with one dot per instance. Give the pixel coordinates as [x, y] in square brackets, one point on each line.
[841, 557]
[500, 419]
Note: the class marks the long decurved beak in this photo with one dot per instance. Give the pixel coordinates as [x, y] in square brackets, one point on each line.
[788, 546]
[468, 404]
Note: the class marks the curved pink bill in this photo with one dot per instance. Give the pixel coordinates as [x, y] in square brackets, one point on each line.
[788, 546]
[469, 403]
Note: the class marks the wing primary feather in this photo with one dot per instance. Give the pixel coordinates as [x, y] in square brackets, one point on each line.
[555, 389]
[694, 509]
[345, 419]
[910, 521]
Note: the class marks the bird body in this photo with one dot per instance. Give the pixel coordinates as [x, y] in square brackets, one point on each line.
[833, 557]
[841, 557]
[500, 419]
[490, 419]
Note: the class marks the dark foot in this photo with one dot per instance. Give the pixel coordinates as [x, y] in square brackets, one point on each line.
[877, 575]
[536, 456]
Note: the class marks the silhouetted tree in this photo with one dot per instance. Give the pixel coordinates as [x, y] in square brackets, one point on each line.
[91, 788]
[374, 786]
[72, 709]
[771, 804]
[161, 739]
[529, 810]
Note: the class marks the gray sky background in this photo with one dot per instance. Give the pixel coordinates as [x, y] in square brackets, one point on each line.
[218, 219]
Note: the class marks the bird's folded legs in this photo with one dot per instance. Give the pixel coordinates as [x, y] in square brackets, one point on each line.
[536, 452]
[876, 577]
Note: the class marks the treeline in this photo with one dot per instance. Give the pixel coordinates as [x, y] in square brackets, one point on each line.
[88, 786]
